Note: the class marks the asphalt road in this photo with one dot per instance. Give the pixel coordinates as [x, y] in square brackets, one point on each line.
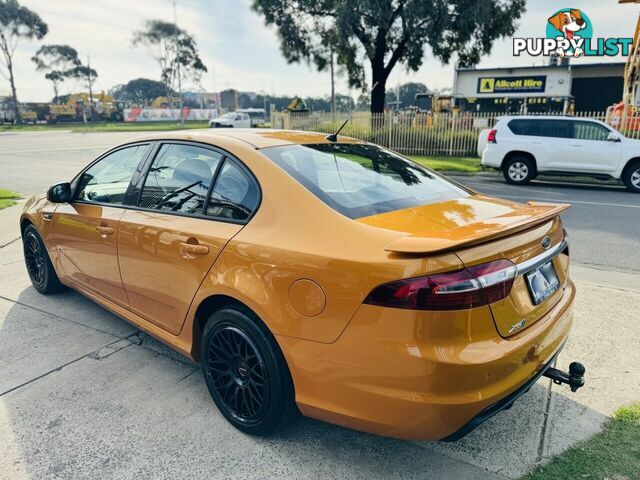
[603, 224]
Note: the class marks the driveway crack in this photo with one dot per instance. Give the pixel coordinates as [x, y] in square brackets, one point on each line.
[25, 305]
[92, 354]
[545, 421]
[10, 242]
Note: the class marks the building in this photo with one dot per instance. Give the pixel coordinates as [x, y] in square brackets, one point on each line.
[229, 99]
[540, 89]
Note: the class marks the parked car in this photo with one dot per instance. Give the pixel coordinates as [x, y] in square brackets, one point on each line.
[231, 120]
[315, 274]
[258, 116]
[526, 146]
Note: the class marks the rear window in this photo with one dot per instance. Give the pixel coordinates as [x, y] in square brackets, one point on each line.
[361, 180]
[541, 128]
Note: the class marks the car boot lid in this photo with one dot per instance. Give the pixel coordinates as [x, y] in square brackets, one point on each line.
[514, 218]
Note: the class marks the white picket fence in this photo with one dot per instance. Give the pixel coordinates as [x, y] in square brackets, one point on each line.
[419, 133]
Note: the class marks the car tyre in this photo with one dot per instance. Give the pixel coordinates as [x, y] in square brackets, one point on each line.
[246, 372]
[631, 177]
[41, 272]
[518, 170]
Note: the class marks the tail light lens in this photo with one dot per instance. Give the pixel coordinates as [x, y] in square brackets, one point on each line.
[491, 138]
[459, 290]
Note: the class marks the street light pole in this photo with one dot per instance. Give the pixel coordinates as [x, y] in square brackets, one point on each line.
[175, 22]
[90, 82]
[333, 91]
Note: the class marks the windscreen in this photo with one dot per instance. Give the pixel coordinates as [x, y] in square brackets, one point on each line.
[359, 180]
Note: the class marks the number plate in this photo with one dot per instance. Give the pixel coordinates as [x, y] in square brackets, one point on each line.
[542, 282]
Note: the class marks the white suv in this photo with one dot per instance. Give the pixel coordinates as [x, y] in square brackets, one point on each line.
[525, 146]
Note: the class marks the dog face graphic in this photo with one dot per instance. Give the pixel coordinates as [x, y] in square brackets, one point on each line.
[568, 22]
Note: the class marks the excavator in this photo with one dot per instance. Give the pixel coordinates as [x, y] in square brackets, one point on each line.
[105, 107]
[624, 116]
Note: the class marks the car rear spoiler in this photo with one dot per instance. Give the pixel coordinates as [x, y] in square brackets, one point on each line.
[534, 213]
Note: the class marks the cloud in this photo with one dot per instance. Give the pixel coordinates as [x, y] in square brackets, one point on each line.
[240, 51]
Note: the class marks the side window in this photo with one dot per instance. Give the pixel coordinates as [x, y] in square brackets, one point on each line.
[590, 131]
[235, 194]
[107, 180]
[524, 127]
[179, 178]
[555, 128]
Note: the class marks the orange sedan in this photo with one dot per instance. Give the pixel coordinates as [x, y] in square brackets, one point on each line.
[315, 274]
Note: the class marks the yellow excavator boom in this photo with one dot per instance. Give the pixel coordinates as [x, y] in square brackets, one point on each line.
[632, 68]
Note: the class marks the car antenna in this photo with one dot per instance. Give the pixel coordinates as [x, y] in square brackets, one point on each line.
[333, 137]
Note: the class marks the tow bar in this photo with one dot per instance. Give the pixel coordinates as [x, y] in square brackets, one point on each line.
[575, 377]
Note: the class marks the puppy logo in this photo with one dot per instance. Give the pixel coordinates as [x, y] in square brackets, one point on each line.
[569, 33]
[567, 27]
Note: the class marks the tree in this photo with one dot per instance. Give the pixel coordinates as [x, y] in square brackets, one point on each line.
[88, 75]
[244, 100]
[17, 23]
[57, 61]
[387, 32]
[175, 51]
[407, 93]
[140, 90]
[344, 103]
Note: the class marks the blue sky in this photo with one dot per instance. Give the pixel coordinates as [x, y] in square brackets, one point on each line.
[240, 51]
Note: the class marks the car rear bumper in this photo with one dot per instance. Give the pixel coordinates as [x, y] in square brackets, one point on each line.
[422, 375]
[490, 158]
[502, 404]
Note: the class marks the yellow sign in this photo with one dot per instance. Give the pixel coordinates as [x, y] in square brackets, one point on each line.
[487, 85]
[533, 84]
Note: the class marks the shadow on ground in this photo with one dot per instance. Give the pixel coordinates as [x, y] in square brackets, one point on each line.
[85, 392]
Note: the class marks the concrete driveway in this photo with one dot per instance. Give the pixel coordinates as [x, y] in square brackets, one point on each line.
[83, 394]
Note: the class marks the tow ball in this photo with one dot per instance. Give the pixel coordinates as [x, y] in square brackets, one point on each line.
[575, 377]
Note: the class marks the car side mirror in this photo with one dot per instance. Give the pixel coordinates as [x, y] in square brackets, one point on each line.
[60, 193]
[612, 137]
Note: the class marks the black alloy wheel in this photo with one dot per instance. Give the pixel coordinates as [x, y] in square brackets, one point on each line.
[34, 258]
[245, 371]
[41, 272]
[238, 373]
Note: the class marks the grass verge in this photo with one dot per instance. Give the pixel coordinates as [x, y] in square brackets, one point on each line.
[449, 164]
[612, 454]
[7, 198]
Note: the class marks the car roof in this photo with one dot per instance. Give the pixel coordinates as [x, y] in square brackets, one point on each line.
[546, 117]
[257, 138]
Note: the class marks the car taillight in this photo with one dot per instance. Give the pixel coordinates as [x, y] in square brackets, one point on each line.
[491, 138]
[462, 289]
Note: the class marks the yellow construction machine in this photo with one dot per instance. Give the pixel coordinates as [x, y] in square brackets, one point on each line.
[77, 106]
[624, 115]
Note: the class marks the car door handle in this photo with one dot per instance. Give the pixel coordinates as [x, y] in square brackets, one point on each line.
[47, 215]
[104, 230]
[194, 249]
[577, 145]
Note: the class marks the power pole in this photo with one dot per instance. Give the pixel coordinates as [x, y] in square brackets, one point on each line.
[90, 88]
[175, 22]
[333, 91]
